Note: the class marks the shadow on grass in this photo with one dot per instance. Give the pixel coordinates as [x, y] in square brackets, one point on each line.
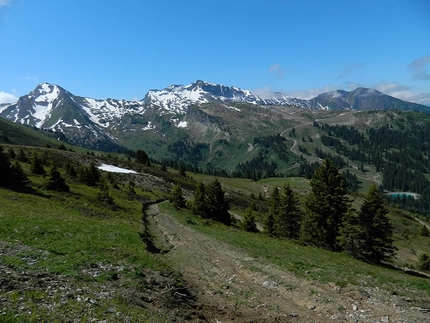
[407, 271]
[28, 190]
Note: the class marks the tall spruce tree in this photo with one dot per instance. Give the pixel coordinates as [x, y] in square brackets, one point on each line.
[326, 206]
[288, 217]
[217, 206]
[249, 224]
[272, 215]
[56, 182]
[176, 197]
[11, 174]
[350, 234]
[36, 165]
[198, 206]
[377, 238]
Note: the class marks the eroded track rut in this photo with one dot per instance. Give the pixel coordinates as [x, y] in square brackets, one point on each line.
[230, 286]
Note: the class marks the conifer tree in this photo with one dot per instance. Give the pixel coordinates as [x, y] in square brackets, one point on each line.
[288, 216]
[217, 206]
[249, 224]
[181, 169]
[198, 206]
[103, 193]
[272, 215]
[55, 181]
[176, 197]
[424, 231]
[350, 233]
[36, 166]
[4, 168]
[11, 174]
[142, 158]
[326, 206]
[11, 153]
[377, 239]
[424, 261]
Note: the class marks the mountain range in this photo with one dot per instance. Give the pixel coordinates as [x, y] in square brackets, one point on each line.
[168, 121]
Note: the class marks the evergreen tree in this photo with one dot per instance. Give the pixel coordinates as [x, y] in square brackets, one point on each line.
[176, 197]
[350, 233]
[217, 206]
[377, 239]
[5, 176]
[89, 175]
[424, 261]
[288, 216]
[181, 169]
[249, 224]
[11, 153]
[103, 193]
[198, 206]
[11, 174]
[326, 206]
[36, 165]
[424, 231]
[142, 158]
[55, 181]
[21, 156]
[272, 215]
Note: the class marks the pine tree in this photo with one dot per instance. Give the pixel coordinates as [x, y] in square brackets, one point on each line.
[103, 193]
[350, 233]
[11, 174]
[424, 231]
[176, 197]
[377, 239]
[56, 182]
[142, 158]
[36, 166]
[181, 169]
[198, 206]
[5, 175]
[249, 224]
[89, 175]
[326, 206]
[288, 216]
[217, 206]
[424, 261]
[272, 215]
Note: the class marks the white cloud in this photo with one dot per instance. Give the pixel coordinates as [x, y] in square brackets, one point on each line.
[419, 68]
[265, 92]
[4, 3]
[7, 97]
[277, 70]
[312, 92]
[403, 92]
[347, 70]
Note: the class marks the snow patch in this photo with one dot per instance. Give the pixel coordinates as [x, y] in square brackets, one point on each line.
[149, 126]
[114, 169]
[182, 124]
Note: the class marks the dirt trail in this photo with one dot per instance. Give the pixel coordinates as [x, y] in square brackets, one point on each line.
[230, 286]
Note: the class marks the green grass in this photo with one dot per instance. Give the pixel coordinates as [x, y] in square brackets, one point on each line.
[75, 234]
[324, 266]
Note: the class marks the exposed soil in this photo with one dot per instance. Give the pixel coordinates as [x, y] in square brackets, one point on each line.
[217, 283]
[229, 286]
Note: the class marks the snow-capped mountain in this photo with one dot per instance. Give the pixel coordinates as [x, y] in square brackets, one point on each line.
[98, 124]
[177, 98]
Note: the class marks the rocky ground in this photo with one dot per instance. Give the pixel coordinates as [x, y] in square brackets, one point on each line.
[229, 286]
[216, 284]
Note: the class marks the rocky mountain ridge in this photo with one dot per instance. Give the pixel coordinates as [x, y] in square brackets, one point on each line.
[110, 123]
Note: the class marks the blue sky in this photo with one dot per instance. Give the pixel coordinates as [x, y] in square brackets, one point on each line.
[122, 49]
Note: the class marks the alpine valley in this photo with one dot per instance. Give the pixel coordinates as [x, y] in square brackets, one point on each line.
[206, 126]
